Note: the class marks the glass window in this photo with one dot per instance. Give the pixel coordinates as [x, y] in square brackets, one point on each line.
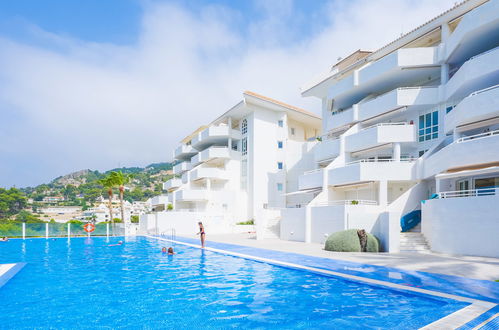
[279, 187]
[280, 123]
[279, 165]
[244, 126]
[428, 126]
[279, 144]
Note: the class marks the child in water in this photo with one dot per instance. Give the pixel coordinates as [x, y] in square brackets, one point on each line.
[170, 251]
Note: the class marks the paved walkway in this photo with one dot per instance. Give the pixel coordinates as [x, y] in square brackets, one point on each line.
[471, 267]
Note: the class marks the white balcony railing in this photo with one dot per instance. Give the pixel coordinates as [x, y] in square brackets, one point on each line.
[469, 193]
[347, 202]
[380, 134]
[382, 160]
[477, 136]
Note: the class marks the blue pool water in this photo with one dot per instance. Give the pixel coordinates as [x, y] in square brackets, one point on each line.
[85, 283]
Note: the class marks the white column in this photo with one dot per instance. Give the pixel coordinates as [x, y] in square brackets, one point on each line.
[107, 229]
[396, 152]
[437, 185]
[69, 230]
[229, 142]
[46, 230]
[24, 230]
[383, 193]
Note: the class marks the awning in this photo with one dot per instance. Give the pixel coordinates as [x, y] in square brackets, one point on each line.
[304, 191]
[354, 185]
[464, 173]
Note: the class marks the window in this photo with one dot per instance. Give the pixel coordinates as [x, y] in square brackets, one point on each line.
[428, 126]
[422, 152]
[244, 126]
[279, 165]
[279, 187]
[292, 131]
[280, 123]
[279, 144]
[244, 146]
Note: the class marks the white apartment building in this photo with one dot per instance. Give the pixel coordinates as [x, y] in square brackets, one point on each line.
[239, 167]
[411, 129]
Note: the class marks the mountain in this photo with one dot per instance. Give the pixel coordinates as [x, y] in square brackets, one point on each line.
[82, 187]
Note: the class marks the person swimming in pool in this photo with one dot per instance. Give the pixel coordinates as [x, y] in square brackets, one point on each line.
[119, 243]
[201, 233]
[4, 239]
[170, 251]
[163, 250]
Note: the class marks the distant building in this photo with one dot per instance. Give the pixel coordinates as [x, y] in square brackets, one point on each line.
[53, 199]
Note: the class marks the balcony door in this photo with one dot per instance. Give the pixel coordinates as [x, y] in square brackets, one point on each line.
[463, 186]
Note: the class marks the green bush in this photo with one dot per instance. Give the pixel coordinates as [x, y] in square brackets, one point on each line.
[348, 241]
[249, 222]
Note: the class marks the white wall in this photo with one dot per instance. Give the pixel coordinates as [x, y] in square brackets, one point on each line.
[293, 224]
[184, 223]
[326, 220]
[463, 225]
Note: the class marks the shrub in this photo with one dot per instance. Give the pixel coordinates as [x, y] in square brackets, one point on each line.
[348, 241]
[134, 219]
[249, 222]
[169, 207]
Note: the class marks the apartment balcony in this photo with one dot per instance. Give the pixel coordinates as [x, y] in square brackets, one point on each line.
[477, 73]
[184, 152]
[477, 30]
[380, 134]
[343, 118]
[479, 106]
[397, 99]
[191, 195]
[470, 151]
[181, 167]
[159, 200]
[343, 86]
[202, 173]
[327, 150]
[215, 135]
[311, 179]
[212, 153]
[172, 184]
[403, 65]
[372, 170]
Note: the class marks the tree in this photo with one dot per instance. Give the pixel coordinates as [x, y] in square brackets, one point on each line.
[134, 219]
[121, 179]
[11, 202]
[25, 216]
[108, 183]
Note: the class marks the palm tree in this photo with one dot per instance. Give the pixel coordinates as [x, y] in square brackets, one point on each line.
[121, 179]
[108, 183]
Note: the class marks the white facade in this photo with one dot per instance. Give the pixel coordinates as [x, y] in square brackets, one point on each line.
[415, 118]
[239, 167]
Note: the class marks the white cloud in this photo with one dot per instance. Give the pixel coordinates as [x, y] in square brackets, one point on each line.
[71, 104]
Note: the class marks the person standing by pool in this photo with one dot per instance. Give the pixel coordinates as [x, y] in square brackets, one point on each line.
[201, 233]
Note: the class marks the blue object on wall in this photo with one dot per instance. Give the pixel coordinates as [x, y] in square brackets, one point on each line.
[410, 220]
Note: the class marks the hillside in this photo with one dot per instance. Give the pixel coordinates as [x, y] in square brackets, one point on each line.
[82, 187]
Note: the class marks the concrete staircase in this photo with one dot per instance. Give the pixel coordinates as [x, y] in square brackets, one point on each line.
[273, 229]
[413, 241]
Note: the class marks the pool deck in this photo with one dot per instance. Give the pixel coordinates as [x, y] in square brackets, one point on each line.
[481, 268]
[7, 271]
[428, 274]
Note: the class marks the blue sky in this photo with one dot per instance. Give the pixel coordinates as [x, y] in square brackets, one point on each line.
[104, 83]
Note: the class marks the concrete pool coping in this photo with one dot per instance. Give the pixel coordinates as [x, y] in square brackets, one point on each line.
[7, 271]
[461, 318]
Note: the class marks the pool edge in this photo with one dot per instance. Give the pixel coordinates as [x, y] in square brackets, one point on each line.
[456, 319]
[7, 271]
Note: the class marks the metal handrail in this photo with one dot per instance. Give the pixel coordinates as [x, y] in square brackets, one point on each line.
[313, 171]
[469, 193]
[386, 124]
[347, 202]
[477, 136]
[406, 160]
[484, 90]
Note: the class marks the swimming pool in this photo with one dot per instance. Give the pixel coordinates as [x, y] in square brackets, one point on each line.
[84, 283]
